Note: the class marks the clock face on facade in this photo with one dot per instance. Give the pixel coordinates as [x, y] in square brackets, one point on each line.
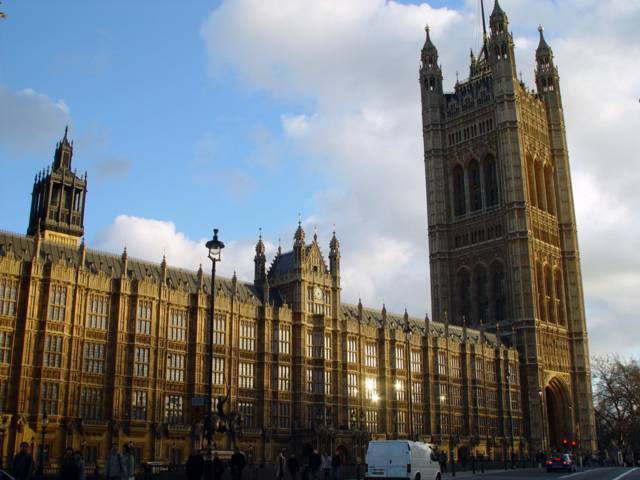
[317, 293]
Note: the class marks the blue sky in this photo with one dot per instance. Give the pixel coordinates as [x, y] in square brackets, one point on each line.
[134, 77]
[244, 114]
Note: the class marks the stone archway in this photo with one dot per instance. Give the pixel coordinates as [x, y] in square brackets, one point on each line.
[559, 422]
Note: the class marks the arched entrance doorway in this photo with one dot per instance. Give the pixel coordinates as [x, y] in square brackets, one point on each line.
[559, 421]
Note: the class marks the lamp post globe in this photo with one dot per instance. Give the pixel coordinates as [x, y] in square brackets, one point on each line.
[214, 246]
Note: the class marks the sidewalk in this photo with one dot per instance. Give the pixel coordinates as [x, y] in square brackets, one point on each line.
[469, 473]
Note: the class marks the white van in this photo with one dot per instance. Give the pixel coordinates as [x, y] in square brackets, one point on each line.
[401, 459]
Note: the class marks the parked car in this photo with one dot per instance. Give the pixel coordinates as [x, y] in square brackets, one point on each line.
[401, 459]
[561, 461]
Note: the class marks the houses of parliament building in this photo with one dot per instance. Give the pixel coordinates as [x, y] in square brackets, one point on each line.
[97, 348]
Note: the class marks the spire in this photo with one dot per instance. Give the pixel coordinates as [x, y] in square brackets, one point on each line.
[83, 253]
[200, 275]
[428, 44]
[299, 235]
[163, 268]
[234, 284]
[260, 249]
[64, 152]
[544, 54]
[498, 21]
[334, 245]
[125, 262]
[429, 51]
[260, 262]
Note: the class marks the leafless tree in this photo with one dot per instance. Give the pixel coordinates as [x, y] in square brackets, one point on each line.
[616, 401]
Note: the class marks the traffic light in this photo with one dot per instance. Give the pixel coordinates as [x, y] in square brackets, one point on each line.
[573, 443]
[564, 442]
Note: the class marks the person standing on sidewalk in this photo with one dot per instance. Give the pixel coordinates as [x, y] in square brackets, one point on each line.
[194, 468]
[281, 464]
[23, 464]
[237, 463]
[326, 466]
[114, 467]
[293, 466]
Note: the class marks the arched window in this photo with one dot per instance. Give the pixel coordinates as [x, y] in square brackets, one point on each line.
[458, 191]
[559, 298]
[532, 183]
[541, 301]
[499, 292]
[464, 293]
[482, 295]
[541, 194]
[475, 188]
[490, 181]
[549, 296]
[549, 187]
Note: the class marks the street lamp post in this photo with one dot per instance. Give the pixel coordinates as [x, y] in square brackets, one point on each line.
[508, 372]
[542, 429]
[215, 247]
[45, 422]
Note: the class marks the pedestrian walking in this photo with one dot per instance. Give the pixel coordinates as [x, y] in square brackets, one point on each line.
[336, 463]
[315, 462]
[79, 461]
[114, 467]
[218, 467]
[68, 467]
[293, 466]
[129, 462]
[23, 465]
[326, 466]
[237, 463]
[281, 464]
[194, 468]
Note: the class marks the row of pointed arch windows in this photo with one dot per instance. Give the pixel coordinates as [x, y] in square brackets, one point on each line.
[550, 294]
[481, 294]
[475, 186]
[541, 185]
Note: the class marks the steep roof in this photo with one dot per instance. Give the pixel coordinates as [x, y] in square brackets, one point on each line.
[111, 265]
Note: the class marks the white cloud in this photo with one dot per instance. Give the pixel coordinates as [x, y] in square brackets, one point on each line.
[357, 62]
[30, 121]
[150, 239]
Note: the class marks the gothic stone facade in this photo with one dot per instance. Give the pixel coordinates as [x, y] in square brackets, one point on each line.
[114, 349]
[502, 229]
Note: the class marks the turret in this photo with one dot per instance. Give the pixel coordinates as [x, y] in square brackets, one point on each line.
[501, 51]
[547, 78]
[299, 245]
[430, 72]
[125, 263]
[58, 199]
[334, 256]
[260, 263]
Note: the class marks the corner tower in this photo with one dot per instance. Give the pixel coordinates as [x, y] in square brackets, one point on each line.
[502, 232]
[58, 199]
